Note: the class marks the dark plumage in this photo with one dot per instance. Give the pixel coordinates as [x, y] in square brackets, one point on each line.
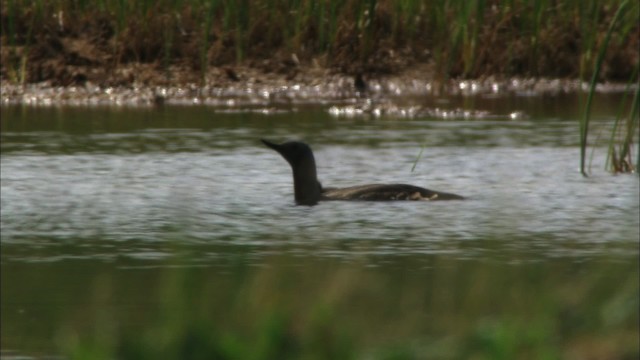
[359, 84]
[231, 74]
[308, 191]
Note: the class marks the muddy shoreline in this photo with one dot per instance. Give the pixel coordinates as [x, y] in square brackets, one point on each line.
[130, 53]
[244, 86]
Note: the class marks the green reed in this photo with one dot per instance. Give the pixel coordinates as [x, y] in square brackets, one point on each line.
[415, 163]
[465, 33]
[9, 30]
[584, 122]
[168, 43]
[205, 42]
[465, 38]
[619, 158]
[19, 42]
[407, 20]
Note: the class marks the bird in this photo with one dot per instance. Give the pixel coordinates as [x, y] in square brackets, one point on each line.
[359, 84]
[309, 191]
[232, 74]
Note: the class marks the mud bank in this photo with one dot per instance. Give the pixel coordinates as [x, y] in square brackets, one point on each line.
[203, 44]
[245, 87]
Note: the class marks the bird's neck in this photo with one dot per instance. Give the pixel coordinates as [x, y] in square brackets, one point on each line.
[305, 183]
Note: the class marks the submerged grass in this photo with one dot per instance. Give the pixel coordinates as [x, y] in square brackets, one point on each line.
[463, 38]
[320, 309]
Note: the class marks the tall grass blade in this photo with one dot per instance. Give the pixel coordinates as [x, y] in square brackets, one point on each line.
[632, 127]
[415, 163]
[616, 163]
[584, 123]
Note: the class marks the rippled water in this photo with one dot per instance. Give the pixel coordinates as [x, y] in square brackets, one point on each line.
[99, 196]
[104, 184]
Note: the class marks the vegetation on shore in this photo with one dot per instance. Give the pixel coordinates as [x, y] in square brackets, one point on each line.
[59, 40]
[70, 42]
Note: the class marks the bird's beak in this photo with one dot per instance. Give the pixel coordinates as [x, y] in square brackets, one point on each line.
[275, 147]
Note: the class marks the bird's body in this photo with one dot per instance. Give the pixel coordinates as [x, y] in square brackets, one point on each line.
[308, 191]
[385, 192]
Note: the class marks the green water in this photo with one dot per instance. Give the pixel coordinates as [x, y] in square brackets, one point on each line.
[117, 219]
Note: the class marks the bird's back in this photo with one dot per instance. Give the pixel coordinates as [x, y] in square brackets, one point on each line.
[386, 192]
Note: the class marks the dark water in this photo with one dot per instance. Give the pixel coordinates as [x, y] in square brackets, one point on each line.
[88, 191]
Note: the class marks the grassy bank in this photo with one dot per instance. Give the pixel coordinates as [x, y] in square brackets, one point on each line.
[42, 39]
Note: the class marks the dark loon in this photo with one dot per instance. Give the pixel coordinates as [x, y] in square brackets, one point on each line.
[308, 190]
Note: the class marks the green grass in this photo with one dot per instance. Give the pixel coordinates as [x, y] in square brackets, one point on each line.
[438, 308]
[622, 137]
[465, 38]
[618, 161]
[588, 39]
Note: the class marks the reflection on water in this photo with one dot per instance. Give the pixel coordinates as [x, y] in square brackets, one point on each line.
[105, 184]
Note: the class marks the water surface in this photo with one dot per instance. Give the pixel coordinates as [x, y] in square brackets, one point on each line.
[116, 182]
[86, 191]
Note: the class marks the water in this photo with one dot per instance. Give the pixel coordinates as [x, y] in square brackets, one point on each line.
[112, 183]
[130, 188]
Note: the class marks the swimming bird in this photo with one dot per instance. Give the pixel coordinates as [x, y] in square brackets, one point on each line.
[309, 191]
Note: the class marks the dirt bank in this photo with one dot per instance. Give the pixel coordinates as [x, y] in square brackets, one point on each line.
[178, 43]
